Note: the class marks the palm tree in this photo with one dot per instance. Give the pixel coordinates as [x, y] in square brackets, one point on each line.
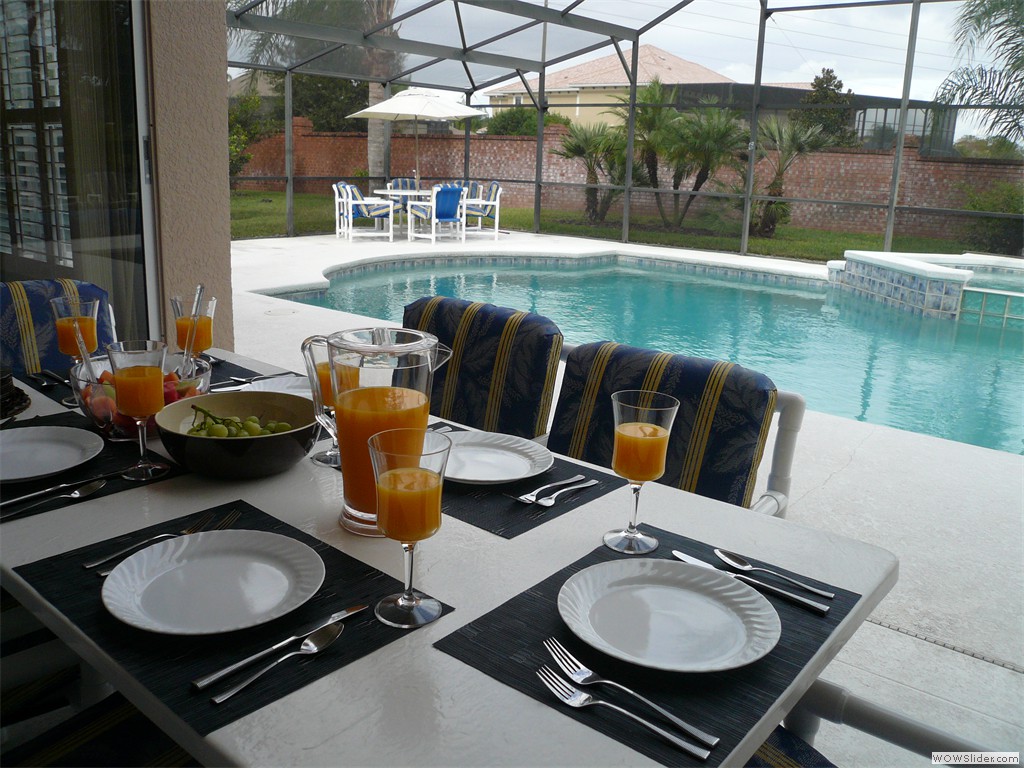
[998, 26]
[782, 144]
[709, 139]
[653, 131]
[589, 144]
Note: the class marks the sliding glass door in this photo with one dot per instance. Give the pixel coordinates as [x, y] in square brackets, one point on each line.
[71, 202]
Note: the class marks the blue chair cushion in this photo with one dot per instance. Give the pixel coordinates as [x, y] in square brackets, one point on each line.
[366, 210]
[445, 207]
[784, 750]
[28, 332]
[719, 433]
[485, 211]
[501, 375]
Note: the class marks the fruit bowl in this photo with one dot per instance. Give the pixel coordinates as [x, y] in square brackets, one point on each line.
[242, 457]
[98, 401]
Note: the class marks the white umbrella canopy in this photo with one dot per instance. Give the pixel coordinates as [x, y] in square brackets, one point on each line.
[418, 104]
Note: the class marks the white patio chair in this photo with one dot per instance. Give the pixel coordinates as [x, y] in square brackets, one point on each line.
[444, 207]
[340, 209]
[482, 206]
[376, 208]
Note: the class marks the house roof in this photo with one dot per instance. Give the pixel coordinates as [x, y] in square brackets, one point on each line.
[606, 71]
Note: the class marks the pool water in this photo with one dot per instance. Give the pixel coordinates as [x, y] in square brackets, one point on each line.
[847, 357]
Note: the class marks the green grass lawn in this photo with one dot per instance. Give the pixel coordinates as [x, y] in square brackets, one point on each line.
[262, 214]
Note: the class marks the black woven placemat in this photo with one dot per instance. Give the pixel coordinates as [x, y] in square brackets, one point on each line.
[114, 456]
[166, 664]
[507, 645]
[494, 508]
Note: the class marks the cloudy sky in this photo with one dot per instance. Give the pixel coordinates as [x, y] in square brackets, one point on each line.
[865, 46]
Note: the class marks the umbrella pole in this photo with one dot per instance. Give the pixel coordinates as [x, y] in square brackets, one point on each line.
[416, 140]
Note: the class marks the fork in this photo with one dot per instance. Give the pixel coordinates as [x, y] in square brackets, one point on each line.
[198, 525]
[574, 697]
[227, 522]
[581, 675]
[531, 497]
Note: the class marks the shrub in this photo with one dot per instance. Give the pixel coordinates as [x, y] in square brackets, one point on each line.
[991, 234]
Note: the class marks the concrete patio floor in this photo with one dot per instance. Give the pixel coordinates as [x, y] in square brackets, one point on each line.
[945, 647]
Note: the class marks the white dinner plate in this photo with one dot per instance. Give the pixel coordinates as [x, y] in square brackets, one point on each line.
[491, 457]
[295, 385]
[669, 615]
[32, 452]
[217, 581]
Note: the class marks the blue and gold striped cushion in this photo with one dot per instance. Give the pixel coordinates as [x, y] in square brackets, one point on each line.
[720, 430]
[366, 210]
[445, 207]
[485, 210]
[501, 375]
[28, 332]
[784, 750]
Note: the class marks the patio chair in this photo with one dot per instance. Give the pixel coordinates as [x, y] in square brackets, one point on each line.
[480, 207]
[28, 331]
[501, 375]
[340, 209]
[444, 207]
[375, 208]
[720, 431]
[402, 183]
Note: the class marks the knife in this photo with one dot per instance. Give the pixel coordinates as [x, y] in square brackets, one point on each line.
[61, 487]
[202, 682]
[763, 586]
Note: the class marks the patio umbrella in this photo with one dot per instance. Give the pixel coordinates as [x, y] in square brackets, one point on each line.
[416, 104]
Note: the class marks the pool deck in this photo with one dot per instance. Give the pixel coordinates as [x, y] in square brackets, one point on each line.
[945, 647]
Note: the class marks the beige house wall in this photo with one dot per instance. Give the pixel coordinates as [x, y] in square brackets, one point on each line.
[567, 103]
[187, 51]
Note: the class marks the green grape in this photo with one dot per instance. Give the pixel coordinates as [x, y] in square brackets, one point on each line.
[280, 426]
[252, 427]
[205, 424]
[217, 430]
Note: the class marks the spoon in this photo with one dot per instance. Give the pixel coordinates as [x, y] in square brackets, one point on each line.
[79, 493]
[740, 564]
[549, 501]
[315, 643]
[43, 382]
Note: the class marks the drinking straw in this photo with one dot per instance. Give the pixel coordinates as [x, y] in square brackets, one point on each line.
[90, 372]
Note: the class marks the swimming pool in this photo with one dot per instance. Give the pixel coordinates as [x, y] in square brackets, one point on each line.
[846, 356]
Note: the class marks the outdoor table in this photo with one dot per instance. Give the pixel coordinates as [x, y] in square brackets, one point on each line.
[408, 702]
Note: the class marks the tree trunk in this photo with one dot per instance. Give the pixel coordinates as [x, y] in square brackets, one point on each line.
[375, 130]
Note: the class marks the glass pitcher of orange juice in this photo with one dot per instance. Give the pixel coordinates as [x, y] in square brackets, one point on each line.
[380, 379]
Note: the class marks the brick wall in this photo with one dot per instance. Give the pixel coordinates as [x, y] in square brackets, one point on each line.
[842, 175]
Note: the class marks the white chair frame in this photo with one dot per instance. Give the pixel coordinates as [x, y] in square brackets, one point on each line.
[790, 407]
[480, 202]
[432, 206]
[348, 212]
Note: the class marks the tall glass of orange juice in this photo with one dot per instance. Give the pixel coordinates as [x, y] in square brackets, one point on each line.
[643, 422]
[68, 312]
[193, 326]
[408, 471]
[318, 370]
[138, 368]
[380, 380]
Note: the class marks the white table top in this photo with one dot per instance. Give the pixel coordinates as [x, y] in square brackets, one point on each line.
[403, 192]
[408, 703]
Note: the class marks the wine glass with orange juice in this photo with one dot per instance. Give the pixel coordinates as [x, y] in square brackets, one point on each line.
[643, 421]
[138, 368]
[408, 470]
[71, 311]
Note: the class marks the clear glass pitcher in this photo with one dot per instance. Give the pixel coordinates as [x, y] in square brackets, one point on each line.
[380, 379]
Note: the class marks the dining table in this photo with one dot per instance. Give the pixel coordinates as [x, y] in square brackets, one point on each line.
[462, 691]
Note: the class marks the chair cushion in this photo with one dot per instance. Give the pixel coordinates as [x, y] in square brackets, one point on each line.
[28, 332]
[719, 432]
[486, 211]
[784, 750]
[501, 375]
[110, 733]
[373, 210]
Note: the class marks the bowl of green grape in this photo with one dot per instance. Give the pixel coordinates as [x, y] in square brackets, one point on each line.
[238, 435]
